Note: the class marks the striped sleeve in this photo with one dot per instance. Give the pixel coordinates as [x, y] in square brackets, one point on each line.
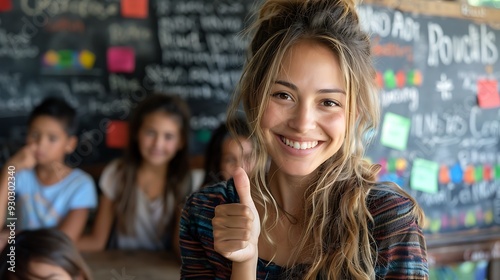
[400, 242]
[199, 260]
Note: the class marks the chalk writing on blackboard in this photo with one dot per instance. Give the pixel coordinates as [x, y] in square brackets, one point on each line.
[433, 71]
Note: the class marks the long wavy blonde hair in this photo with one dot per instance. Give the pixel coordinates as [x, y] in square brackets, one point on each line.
[337, 234]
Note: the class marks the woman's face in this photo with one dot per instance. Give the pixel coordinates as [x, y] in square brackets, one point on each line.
[159, 138]
[304, 122]
[233, 156]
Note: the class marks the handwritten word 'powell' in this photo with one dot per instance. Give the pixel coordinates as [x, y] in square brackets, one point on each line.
[478, 46]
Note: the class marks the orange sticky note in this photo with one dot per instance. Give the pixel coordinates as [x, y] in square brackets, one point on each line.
[469, 175]
[487, 93]
[444, 175]
[134, 8]
[121, 59]
[117, 134]
[5, 5]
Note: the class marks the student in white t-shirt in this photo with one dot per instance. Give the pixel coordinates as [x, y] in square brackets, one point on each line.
[48, 193]
[144, 190]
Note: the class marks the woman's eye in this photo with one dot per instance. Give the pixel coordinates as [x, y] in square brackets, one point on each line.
[282, 95]
[330, 103]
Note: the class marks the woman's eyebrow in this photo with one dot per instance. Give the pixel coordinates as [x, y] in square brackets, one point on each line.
[294, 87]
[287, 84]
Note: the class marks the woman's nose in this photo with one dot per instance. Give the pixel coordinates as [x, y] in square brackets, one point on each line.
[303, 118]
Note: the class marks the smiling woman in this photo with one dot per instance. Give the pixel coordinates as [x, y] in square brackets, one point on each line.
[312, 208]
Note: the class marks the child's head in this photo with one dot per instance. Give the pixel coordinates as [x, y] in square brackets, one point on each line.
[333, 25]
[52, 126]
[224, 153]
[41, 253]
[159, 131]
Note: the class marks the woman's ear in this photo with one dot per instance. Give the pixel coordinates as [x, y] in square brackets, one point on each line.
[71, 145]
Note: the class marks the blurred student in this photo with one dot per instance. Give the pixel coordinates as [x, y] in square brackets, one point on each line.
[143, 191]
[43, 254]
[48, 193]
[226, 152]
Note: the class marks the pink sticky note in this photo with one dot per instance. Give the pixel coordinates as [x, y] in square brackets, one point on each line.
[5, 5]
[134, 8]
[121, 59]
[117, 134]
[487, 93]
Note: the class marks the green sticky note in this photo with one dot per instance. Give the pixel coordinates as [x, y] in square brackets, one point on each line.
[424, 176]
[478, 173]
[435, 225]
[497, 171]
[65, 58]
[395, 131]
[391, 165]
[470, 219]
[389, 79]
[203, 135]
[410, 77]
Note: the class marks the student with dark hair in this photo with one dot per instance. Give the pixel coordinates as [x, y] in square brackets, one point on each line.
[225, 152]
[144, 190]
[43, 254]
[48, 193]
[312, 208]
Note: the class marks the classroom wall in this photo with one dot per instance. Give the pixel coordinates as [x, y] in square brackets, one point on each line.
[440, 130]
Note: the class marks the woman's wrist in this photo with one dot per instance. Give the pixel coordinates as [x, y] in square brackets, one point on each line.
[245, 270]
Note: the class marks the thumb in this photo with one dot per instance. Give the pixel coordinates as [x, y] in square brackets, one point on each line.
[242, 185]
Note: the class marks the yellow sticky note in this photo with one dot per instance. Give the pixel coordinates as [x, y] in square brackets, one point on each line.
[87, 59]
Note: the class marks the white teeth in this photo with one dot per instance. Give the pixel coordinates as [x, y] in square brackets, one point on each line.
[299, 145]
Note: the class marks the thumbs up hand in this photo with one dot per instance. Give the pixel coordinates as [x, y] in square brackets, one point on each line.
[236, 226]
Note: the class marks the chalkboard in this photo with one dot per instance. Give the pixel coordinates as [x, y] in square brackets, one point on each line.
[440, 136]
[202, 55]
[105, 56]
[440, 127]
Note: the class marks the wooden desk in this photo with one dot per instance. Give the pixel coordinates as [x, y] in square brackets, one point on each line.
[133, 265]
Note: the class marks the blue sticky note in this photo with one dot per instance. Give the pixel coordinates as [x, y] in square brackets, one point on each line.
[456, 174]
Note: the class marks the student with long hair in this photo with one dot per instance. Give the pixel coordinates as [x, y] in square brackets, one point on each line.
[143, 190]
[318, 212]
[225, 152]
[42, 254]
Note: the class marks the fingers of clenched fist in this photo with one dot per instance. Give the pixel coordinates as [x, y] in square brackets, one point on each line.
[24, 158]
[232, 227]
[236, 226]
